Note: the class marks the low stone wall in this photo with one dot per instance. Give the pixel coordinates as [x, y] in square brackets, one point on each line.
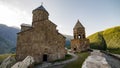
[112, 59]
[112, 55]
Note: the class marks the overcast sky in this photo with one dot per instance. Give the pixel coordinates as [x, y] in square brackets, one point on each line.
[95, 15]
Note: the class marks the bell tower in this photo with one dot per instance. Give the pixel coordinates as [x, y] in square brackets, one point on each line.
[79, 31]
[39, 14]
[80, 42]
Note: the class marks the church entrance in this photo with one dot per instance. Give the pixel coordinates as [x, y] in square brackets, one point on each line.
[75, 49]
[45, 57]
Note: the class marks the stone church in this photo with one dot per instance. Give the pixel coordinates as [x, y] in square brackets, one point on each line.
[40, 40]
[80, 42]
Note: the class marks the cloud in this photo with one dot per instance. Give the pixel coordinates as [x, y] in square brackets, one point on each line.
[13, 16]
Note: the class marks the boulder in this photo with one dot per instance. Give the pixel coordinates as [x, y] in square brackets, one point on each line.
[8, 62]
[27, 62]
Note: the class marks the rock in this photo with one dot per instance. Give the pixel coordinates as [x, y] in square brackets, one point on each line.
[96, 60]
[28, 61]
[8, 62]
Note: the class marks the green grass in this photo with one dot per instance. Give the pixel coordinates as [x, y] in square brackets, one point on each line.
[67, 56]
[97, 41]
[115, 51]
[77, 63]
[3, 56]
[108, 38]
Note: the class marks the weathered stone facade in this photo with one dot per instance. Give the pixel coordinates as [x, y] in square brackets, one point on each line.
[79, 43]
[41, 40]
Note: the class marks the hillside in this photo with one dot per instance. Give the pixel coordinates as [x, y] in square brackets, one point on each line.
[112, 37]
[7, 38]
[4, 45]
[109, 38]
[97, 41]
[9, 33]
[68, 38]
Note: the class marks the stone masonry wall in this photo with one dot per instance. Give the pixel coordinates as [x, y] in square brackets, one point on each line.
[39, 41]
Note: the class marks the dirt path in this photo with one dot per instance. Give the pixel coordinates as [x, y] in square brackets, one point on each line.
[57, 64]
[96, 60]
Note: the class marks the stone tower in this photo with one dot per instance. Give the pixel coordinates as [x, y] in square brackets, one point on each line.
[79, 43]
[40, 40]
[39, 14]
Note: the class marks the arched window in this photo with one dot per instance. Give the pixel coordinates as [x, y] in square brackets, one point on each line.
[79, 36]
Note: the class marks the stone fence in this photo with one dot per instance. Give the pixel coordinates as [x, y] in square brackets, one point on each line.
[112, 55]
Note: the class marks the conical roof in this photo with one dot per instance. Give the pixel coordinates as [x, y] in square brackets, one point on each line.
[78, 25]
[41, 8]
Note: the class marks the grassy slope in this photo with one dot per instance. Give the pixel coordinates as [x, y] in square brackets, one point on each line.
[4, 56]
[112, 37]
[115, 51]
[77, 63]
[109, 38]
[97, 41]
